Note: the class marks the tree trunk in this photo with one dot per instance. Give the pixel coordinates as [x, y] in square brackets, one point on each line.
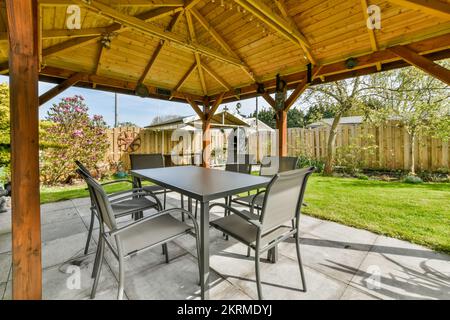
[331, 146]
[413, 153]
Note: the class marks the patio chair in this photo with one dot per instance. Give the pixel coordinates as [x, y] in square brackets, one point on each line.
[133, 238]
[282, 203]
[270, 166]
[151, 161]
[120, 203]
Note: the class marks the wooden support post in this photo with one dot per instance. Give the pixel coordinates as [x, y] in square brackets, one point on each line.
[282, 132]
[206, 131]
[22, 16]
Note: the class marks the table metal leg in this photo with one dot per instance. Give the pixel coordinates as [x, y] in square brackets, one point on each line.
[272, 254]
[190, 204]
[204, 250]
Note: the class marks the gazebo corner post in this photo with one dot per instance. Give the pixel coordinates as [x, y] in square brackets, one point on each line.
[206, 133]
[22, 19]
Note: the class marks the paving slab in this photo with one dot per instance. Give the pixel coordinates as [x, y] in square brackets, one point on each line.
[5, 242]
[5, 266]
[352, 293]
[385, 278]
[62, 229]
[59, 283]
[53, 206]
[320, 254]
[5, 222]
[2, 289]
[60, 215]
[57, 251]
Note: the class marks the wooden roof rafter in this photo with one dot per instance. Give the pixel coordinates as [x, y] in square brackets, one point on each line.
[123, 3]
[148, 16]
[221, 41]
[282, 8]
[173, 22]
[278, 24]
[108, 84]
[140, 25]
[193, 37]
[433, 48]
[432, 7]
[371, 32]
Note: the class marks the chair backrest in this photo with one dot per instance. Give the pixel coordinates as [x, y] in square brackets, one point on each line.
[270, 166]
[101, 201]
[283, 197]
[239, 167]
[83, 168]
[146, 161]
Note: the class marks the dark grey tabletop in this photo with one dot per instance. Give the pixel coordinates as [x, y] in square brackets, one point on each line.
[200, 183]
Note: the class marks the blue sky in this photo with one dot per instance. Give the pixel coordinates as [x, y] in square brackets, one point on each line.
[140, 111]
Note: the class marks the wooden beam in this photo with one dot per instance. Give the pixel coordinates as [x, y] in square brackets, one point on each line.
[109, 84]
[373, 40]
[191, 4]
[422, 63]
[277, 23]
[432, 7]
[196, 108]
[101, 52]
[216, 77]
[215, 106]
[269, 100]
[425, 47]
[302, 86]
[221, 41]
[156, 53]
[282, 7]
[50, 94]
[22, 22]
[371, 32]
[141, 26]
[193, 38]
[72, 44]
[121, 3]
[185, 77]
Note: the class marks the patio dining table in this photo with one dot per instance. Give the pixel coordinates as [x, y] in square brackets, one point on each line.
[204, 185]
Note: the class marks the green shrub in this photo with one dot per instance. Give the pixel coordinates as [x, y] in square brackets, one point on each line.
[361, 176]
[304, 161]
[412, 180]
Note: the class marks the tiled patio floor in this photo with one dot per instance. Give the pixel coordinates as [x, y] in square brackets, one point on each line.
[340, 263]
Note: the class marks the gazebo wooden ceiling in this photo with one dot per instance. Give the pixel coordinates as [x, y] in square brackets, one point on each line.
[197, 51]
[198, 48]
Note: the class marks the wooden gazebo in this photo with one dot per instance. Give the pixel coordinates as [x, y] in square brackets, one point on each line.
[203, 52]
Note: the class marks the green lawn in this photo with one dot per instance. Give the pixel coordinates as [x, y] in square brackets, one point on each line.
[417, 213]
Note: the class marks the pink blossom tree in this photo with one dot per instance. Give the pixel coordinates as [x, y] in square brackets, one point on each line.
[72, 135]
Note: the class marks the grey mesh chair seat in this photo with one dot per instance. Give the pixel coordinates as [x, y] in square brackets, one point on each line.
[151, 233]
[241, 230]
[282, 201]
[126, 206]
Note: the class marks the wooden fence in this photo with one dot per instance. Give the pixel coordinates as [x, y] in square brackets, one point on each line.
[384, 147]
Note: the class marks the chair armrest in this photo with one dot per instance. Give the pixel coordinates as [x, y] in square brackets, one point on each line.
[137, 193]
[252, 205]
[159, 214]
[118, 181]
